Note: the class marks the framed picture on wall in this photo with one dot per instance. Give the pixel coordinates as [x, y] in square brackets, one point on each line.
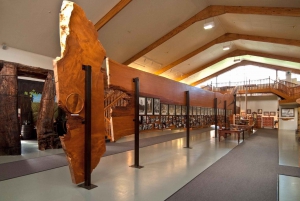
[156, 106]
[178, 109]
[142, 105]
[191, 110]
[287, 112]
[194, 110]
[259, 111]
[248, 111]
[183, 110]
[272, 113]
[266, 113]
[164, 109]
[171, 109]
[149, 106]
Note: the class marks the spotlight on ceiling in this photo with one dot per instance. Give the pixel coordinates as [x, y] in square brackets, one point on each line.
[209, 25]
[226, 47]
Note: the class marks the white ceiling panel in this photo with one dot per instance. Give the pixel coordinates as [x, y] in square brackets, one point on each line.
[143, 22]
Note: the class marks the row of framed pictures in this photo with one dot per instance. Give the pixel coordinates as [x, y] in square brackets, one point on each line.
[165, 122]
[152, 106]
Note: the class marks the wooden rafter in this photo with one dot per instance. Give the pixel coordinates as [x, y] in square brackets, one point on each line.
[115, 10]
[212, 11]
[244, 63]
[226, 38]
[236, 53]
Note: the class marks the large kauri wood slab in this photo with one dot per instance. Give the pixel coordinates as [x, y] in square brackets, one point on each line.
[80, 46]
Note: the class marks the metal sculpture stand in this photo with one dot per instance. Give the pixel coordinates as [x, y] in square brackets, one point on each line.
[136, 125]
[187, 120]
[87, 121]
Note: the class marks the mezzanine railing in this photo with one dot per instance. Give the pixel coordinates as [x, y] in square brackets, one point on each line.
[288, 89]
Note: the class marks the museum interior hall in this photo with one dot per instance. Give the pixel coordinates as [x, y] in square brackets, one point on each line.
[150, 100]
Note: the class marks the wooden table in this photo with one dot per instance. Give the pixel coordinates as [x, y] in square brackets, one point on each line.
[224, 132]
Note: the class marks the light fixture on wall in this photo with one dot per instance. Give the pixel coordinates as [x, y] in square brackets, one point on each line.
[209, 24]
[4, 46]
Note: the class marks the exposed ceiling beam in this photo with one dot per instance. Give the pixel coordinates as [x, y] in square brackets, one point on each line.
[212, 11]
[115, 10]
[244, 63]
[226, 38]
[236, 53]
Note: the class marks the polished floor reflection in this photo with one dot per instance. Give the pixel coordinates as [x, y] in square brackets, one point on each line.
[288, 188]
[289, 146]
[167, 167]
[288, 142]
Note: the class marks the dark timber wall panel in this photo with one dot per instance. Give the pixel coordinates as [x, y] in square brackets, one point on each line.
[169, 91]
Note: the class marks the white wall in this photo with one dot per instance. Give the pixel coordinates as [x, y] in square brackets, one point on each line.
[266, 103]
[27, 58]
[269, 103]
[289, 124]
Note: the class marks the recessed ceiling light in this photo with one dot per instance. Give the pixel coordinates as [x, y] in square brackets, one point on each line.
[209, 25]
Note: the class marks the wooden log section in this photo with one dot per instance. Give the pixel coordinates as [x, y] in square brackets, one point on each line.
[10, 143]
[168, 91]
[28, 71]
[79, 46]
[44, 125]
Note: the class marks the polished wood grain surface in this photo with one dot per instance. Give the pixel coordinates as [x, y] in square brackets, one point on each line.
[80, 46]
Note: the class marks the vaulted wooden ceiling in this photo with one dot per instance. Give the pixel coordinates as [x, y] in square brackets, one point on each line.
[167, 38]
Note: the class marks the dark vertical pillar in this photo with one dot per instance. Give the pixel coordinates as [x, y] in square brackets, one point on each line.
[87, 139]
[216, 116]
[225, 120]
[187, 96]
[234, 104]
[136, 124]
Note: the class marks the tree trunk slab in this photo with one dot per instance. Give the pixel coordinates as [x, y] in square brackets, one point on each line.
[79, 46]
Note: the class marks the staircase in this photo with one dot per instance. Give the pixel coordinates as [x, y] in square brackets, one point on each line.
[112, 99]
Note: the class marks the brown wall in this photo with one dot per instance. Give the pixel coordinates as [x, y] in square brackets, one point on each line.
[121, 77]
